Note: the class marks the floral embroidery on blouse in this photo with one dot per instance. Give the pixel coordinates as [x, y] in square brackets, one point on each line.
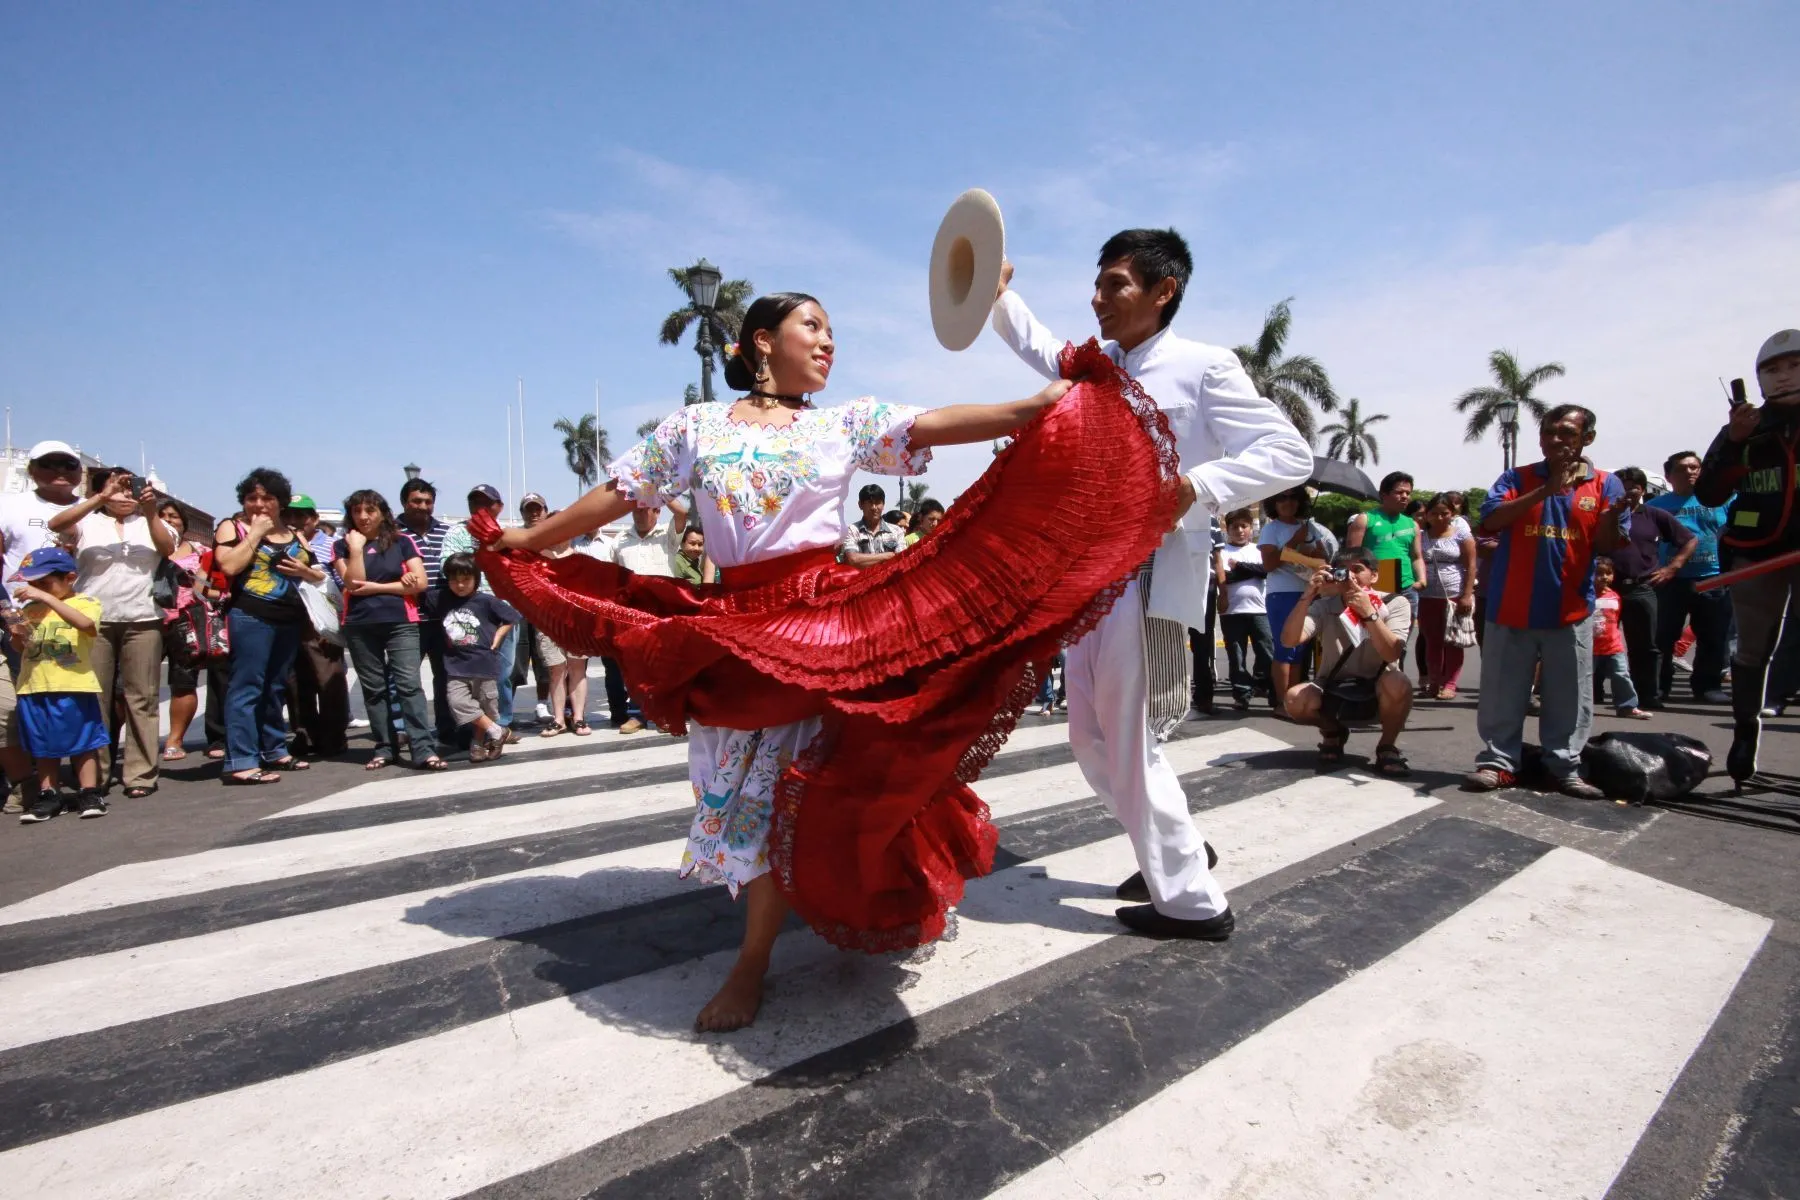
[753, 481]
[878, 441]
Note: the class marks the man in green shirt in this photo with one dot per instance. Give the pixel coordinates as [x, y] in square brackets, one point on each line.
[1391, 535]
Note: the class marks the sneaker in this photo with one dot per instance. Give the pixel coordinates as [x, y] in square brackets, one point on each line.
[1579, 788]
[632, 726]
[93, 804]
[1487, 779]
[1716, 696]
[44, 808]
[543, 713]
[511, 738]
[15, 799]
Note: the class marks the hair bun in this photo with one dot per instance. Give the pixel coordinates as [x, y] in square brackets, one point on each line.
[737, 372]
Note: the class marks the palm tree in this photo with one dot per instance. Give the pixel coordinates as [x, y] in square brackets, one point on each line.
[728, 310]
[648, 427]
[915, 492]
[1289, 380]
[1350, 437]
[1515, 385]
[584, 447]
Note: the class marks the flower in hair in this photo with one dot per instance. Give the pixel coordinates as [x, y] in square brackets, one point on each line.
[731, 350]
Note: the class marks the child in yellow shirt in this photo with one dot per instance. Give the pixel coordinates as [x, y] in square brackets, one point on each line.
[59, 694]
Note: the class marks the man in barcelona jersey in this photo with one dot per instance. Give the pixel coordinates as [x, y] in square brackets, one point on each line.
[1552, 518]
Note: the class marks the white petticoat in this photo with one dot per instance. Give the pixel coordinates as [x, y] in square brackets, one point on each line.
[734, 772]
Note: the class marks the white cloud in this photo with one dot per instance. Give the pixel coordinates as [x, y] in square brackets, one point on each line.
[1645, 316]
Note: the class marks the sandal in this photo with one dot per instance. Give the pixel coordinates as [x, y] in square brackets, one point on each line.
[1636, 714]
[1389, 761]
[230, 779]
[138, 793]
[290, 763]
[581, 729]
[173, 754]
[1331, 750]
[434, 763]
[215, 752]
[1448, 693]
[376, 763]
[552, 729]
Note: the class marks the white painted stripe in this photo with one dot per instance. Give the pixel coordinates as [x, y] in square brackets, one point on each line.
[1518, 1049]
[548, 1079]
[182, 973]
[262, 862]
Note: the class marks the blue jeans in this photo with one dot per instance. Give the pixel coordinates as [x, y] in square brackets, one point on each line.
[1616, 668]
[262, 652]
[1507, 658]
[509, 646]
[380, 649]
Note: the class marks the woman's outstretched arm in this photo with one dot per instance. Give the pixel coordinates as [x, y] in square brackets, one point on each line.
[601, 506]
[962, 423]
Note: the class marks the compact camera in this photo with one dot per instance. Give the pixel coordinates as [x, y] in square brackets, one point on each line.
[1340, 574]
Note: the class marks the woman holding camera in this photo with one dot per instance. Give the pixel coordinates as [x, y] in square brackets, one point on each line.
[119, 540]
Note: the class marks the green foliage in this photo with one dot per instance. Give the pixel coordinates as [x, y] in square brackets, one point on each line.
[1514, 383]
[1351, 440]
[1334, 511]
[728, 311]
[915, 492]
[1290, 380]
[584, 447]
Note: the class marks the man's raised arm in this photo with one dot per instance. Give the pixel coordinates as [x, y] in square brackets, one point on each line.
[1028, 337]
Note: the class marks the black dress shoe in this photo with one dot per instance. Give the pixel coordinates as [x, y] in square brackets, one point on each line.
[1145, 919]
[1135, 889]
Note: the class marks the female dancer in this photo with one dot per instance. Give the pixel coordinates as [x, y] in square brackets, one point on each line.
[807, 686]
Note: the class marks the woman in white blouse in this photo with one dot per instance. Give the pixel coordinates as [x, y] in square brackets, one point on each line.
[119, 540]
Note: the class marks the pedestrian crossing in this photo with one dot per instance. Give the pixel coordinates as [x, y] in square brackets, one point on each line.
[483, 982]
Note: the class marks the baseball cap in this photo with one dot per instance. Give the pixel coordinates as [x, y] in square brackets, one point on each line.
[530, 498]
[488, 492]
[45, 560]
[303, 502]
[45, 449]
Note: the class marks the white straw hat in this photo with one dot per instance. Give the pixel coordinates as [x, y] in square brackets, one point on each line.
[965, 268]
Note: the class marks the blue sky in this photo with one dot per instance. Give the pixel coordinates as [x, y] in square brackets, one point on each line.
[330, 237]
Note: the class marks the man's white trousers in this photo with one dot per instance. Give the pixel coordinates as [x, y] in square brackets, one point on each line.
[1109, 729]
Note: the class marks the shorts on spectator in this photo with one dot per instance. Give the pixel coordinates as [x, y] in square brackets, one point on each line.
[9, 715]
[184, 677]
[554, 655]
[472, 698]
[62, 724]
[1279, 605]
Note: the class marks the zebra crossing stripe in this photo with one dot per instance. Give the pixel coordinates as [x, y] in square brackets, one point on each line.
[545, 1080]
[242, 960]
[260, 862]
[1553, 1013]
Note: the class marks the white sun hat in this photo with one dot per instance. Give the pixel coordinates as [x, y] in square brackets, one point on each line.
[965, 268]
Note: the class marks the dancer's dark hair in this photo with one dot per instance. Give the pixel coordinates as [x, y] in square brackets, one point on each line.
[369, 497]
[767, 312]
[1156, 255]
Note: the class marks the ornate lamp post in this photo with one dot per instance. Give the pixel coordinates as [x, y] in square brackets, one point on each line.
[1507, 411]
[703, 289]
[413, 470]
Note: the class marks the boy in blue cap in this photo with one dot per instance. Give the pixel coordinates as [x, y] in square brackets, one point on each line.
[59, 694]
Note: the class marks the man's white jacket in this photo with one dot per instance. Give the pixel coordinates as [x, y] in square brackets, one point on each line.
[1235, 447]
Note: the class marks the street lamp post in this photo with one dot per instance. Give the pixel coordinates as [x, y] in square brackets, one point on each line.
[413, 470]
[1508, 413]
[703, 289]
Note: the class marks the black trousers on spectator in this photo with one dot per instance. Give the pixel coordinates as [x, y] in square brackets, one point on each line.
[1201, 643]
[1678, 604]
[218, 678]
[431, 633]
[319, 697]
[1249, 649]
[619, 708]
[1637, 620]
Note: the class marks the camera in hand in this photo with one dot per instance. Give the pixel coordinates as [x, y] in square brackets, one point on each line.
[1340, 574]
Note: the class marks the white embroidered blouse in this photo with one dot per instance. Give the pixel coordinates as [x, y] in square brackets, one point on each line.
[769, 489]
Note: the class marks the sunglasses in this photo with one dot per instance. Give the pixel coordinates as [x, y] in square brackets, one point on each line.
[58, 463]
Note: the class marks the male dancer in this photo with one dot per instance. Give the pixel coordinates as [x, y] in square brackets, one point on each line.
[1127, 679]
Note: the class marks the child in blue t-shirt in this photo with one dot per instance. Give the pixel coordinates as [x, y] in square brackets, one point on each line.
[475, 623]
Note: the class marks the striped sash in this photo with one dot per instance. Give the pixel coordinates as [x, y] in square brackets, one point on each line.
[1168, 664]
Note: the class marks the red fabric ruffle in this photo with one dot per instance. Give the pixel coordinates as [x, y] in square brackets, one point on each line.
[919, 667]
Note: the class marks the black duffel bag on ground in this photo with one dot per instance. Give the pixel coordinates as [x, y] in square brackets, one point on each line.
[1641, 767]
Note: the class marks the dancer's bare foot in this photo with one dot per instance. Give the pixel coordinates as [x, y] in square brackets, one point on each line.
[736, 1003]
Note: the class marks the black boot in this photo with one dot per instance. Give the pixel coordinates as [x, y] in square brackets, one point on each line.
[1746, 707]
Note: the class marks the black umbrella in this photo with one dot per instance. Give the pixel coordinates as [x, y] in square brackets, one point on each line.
[1330, 475]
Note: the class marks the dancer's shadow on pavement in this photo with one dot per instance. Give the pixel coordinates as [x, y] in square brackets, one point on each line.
[645, 968]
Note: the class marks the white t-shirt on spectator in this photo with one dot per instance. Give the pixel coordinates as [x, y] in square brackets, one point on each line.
[25, 524]
[1245, 596]
[650, 554]
[117, 566]
[1292, 577]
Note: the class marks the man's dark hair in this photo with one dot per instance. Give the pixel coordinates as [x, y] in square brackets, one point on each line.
[892, 516]
[928, 506]
[460, 564]
[1156, 255]
[871, 491]
[1633, 475]
[1588, 420]
[1351, 556]
[269, 480]
[1669, 462]
[414, 486]
[1239, 514]
[1394, 479]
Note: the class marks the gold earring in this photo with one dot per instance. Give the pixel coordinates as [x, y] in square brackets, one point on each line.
[762, 371]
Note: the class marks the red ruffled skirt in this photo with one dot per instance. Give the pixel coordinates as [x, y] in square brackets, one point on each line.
[918, 667]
